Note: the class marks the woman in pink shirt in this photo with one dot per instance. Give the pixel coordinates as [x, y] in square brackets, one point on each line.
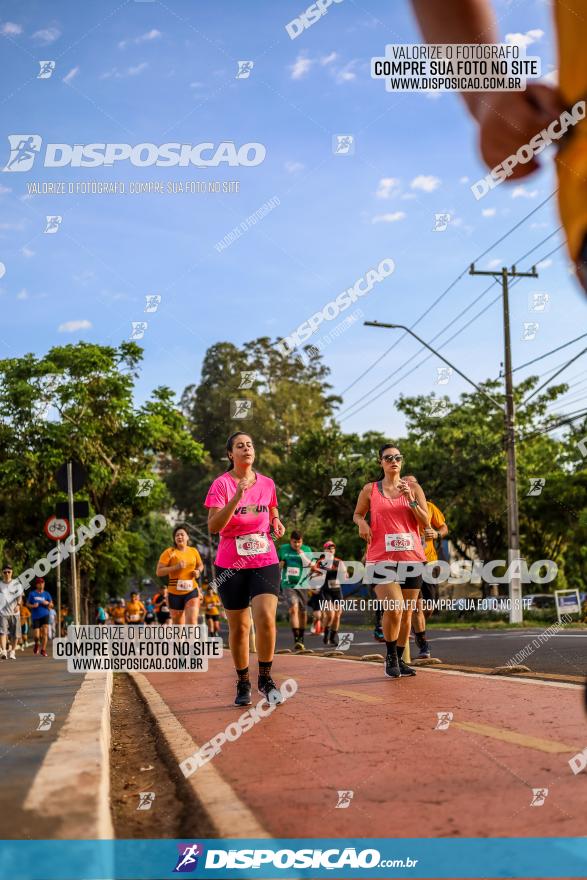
[397, 510]
[242, 506]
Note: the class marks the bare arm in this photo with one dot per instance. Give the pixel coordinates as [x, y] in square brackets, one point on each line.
[507, 120]
[361, 511]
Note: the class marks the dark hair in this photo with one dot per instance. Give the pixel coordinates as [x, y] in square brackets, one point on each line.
[180, 528]
[379, 456]
[296, 536]
[230, 444]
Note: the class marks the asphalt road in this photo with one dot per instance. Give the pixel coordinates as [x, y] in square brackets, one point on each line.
[564, 653]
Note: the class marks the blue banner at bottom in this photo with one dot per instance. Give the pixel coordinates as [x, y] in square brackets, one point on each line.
[556, 857]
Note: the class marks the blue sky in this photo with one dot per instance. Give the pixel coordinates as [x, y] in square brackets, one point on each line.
[164, 72]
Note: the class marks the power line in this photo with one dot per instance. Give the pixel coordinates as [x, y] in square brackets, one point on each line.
[548, 353]
[564, 367]
[453, 284]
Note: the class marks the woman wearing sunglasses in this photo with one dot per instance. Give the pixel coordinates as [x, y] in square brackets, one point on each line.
[397, 510]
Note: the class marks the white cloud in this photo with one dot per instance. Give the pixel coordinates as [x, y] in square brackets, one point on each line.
[301, 66]
[488, 212]
[47, 35]
[463, 179]
[10, 29]
[388, 187]
[495, 264]
[520, 192]
[408, 197]
[72, 326]
[22, 294]
[388, 218]
[4, 189]
[544, 264]
[346, 73]
[27, 252]
[153, 34]
[115, 73]
[542, 225]
[72, 73]
[138, 68]
[526, 39]
[196, 85]
[425, 182]
[551, 78]
[294, 167]
[328, 59]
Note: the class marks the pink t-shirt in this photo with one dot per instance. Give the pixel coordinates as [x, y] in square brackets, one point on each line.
[245, 540]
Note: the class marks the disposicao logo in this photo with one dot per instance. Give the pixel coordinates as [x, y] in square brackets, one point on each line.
[24, 149]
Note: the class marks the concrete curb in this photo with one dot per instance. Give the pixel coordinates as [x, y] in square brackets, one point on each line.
[227, 814]
[72, 785]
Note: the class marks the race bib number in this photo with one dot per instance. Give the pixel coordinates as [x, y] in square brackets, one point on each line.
[185, 586]
[134, 617]
[252, 545]
[401, 541]
[293, 572]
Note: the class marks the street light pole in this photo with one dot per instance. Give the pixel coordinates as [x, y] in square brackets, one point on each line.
[515, 586]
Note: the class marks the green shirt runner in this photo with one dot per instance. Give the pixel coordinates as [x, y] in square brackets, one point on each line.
[293, 573]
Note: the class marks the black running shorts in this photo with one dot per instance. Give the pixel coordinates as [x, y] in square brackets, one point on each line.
[178, 603]
[237, 586]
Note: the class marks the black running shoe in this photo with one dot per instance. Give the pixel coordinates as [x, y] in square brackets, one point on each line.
[405, 669]
[334, 638]
[424, 651]
[269, 690]
[325, 636]
[392, 669]
[243, 693]
[378, 634]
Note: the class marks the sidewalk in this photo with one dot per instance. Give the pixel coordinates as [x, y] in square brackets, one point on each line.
[29, 686]
[348, 728]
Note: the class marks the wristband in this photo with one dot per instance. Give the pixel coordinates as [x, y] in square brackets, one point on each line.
[274, 518]
[414, 504]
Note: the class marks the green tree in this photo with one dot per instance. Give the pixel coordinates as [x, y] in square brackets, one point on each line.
[77, 402]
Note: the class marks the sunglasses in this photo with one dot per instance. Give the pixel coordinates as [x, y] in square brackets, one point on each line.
[390, 458]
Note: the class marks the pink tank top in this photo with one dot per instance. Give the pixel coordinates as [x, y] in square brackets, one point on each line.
[394, 529]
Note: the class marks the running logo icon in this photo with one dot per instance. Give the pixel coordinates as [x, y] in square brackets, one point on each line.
[146, 800]
[344, 800]
[244, 69]
[46, 719]
[441, 222]
[343, 145]
[537, 484]
[538, 302]
[187, 860]
[443, 375]
[138, 329]
[152, 301]
[539, 795]
[248, 378]
[338, 484]
[241, 409]
[345, 640]
[530, 330]
[46, 71]
[53, 224]
[144, 489]
[444, 719]
[23, 151]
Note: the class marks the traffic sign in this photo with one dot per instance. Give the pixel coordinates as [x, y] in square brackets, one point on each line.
[57, 529]
[81, 509]
[79, 475]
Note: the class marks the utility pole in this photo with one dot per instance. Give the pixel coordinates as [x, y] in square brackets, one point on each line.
[515, 587]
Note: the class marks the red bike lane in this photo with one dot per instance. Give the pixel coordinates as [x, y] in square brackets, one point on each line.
[350, 729]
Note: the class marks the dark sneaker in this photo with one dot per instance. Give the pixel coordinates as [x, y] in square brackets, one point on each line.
[243, 693]
[424, 651]
[269, 690]
[378, 635]
[392, 669]
[43, 652]
[299, 646]
[325, 636]
[334, 639]
[405, 669]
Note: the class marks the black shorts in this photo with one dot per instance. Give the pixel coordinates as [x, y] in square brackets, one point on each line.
[177, 603]
[212, 617]
[237, 586]
[429, 591]
[331, 594]
[163, 616]
[314, 602]
[407, 582]
[41, 621]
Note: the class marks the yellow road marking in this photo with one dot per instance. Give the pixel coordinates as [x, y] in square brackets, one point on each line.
[356, 695]
[518, 739]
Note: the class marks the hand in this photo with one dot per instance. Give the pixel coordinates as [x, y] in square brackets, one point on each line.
[242, 486]
[508, 120]
[278, 527]
[177, 567]
[365, 531]
[406, 490]
[430, 534]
